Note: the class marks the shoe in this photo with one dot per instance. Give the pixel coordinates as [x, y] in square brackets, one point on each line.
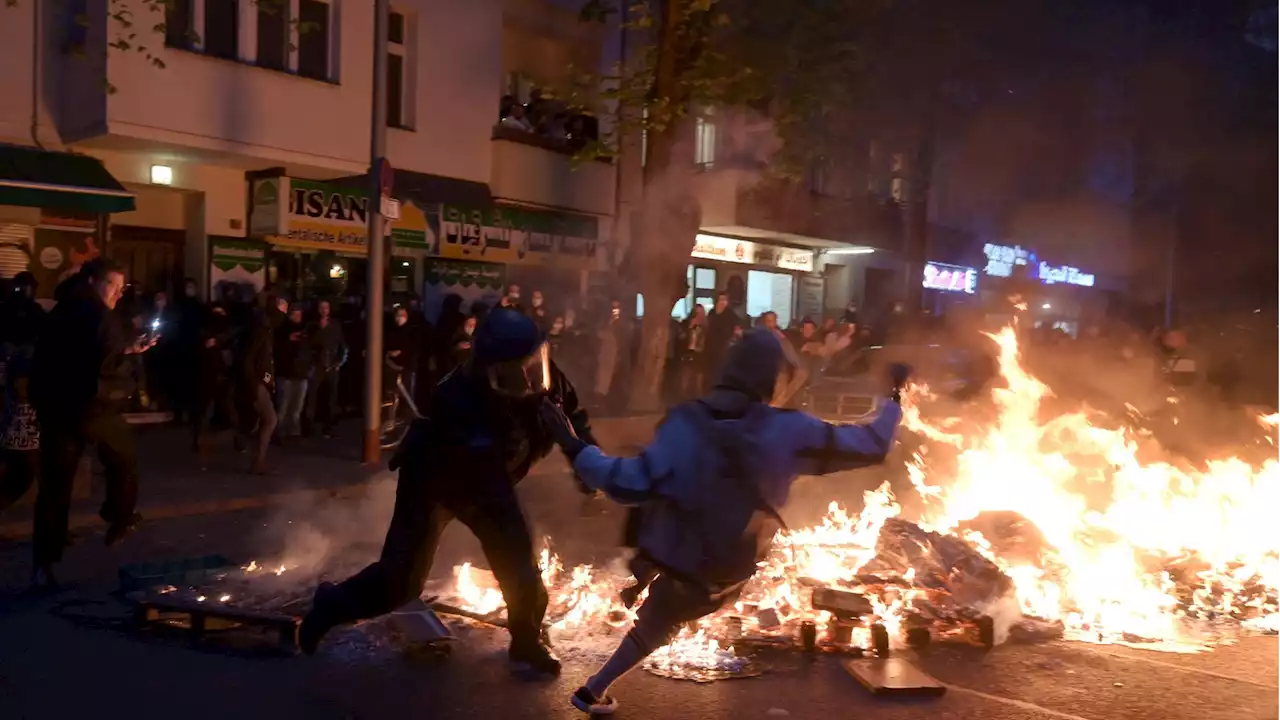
[315, 625]
[533, 658]
[118, 530]
[42, 578]
[587, 702]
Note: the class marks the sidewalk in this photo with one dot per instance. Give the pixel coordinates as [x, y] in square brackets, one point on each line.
[172, 483]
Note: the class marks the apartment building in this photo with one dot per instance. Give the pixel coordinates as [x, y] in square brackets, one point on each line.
[231, 144]
[801, 248]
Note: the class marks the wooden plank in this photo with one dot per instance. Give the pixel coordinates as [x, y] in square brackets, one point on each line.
[893, 677]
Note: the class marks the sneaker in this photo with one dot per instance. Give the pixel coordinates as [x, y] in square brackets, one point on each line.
[315, 625]
[121, 528]
[587, 702]
[534, 659]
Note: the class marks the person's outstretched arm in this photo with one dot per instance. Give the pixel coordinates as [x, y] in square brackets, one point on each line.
[629, 480]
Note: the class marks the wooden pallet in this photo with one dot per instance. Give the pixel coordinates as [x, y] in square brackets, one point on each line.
[203, 619]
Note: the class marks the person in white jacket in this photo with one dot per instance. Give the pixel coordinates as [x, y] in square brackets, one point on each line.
[707, 492]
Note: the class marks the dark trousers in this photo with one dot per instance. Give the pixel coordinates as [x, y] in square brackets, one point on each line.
[216, 408]
[21, 470]
[61, 446]
[322, 401]
[416, 525]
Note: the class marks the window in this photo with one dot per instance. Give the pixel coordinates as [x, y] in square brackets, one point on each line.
[395, 28]
[899, 192]
[313, 39]
[702, 291]
[767, 292]
[273, 34]
[397, 85]
[222, 28]
[178, 30]
[704, 142]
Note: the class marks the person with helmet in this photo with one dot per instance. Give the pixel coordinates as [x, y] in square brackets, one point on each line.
[709, 489]
[484, 434]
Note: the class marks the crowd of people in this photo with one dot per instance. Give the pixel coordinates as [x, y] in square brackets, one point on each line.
[548, 119]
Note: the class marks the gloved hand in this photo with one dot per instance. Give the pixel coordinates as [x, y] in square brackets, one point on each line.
[899, 374]
[561, 429]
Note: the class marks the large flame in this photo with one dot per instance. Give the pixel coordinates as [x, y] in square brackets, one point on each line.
[1130, 551]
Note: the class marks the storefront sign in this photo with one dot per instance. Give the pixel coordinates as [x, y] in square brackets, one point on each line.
[812, 296]
[518, 235]
[950, 278]
[1001, 259]
[717, 247]
[236, 262]
[1065, 274]
[321, 216]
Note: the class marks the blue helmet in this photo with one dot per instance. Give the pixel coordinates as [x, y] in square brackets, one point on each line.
[511, 351]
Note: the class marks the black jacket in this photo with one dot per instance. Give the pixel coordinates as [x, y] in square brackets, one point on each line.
[80, 367]
[255, 361]
[328, 345]
[292, 351]
[474, 438]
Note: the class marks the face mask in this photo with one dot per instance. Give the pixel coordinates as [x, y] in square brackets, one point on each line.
[191, 292]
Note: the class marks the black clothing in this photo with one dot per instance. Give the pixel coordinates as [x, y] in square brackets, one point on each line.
[255, 364]
[21, 320]
[292, 351]
[463, 462]
[61, 446]
[720, 330]
[407, 340]
[328, 345]
[80, 367]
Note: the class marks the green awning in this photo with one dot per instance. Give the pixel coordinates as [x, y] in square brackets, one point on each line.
[30, 177]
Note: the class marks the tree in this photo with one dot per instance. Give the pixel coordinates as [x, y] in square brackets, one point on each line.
[791, 63]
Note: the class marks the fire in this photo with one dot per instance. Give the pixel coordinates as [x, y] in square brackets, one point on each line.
[1115, 547]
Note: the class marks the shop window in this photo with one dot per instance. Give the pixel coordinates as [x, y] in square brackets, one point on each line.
[702, 291]
[222, 28]
[704, 143]
[273, 34]
[767, 292]
[899, 191]
[313, 39]
[179, 30]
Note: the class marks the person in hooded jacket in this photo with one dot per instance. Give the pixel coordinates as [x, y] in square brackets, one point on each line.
[709, 488]
[484, 434]
[21, 317]
[215, 391]
[255, 372]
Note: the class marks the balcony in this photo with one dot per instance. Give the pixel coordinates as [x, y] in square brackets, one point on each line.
[533, 169]
[737, 200]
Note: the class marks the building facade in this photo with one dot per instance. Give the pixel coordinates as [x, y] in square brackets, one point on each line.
[240, 135]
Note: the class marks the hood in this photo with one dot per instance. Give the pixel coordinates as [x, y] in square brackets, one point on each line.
[751, 367]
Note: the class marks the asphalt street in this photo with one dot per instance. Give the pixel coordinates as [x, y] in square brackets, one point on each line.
[77, 654]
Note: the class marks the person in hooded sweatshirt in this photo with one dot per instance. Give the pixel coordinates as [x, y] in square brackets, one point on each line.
[256, 378]
[709, 488]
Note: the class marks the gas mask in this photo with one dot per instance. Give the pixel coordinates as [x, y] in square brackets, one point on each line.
[522, 378]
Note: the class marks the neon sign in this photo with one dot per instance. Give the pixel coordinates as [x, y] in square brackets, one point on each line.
[1001, 259]
[1050, 275]
[950, 278]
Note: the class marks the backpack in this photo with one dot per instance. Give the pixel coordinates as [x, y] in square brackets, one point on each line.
[713, 532]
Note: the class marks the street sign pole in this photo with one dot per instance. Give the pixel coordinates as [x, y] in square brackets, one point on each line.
[378, 171]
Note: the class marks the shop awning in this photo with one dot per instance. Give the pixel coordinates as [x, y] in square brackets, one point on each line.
[30, 177]
[427, 189]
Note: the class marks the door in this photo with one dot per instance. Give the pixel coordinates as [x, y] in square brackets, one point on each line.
[151, 257]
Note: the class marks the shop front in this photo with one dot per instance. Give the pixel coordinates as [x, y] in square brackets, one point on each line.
[316, 235]
[537, 249]
[947, 285]
[1052, 296]
[758, 278]
[53, 210]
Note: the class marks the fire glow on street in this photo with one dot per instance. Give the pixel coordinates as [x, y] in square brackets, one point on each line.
[1041, 529]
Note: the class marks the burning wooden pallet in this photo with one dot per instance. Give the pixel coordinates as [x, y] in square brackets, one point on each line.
[205, 618]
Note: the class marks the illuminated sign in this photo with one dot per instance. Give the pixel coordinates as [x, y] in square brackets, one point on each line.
[950, 278]
[1001, 259]
[1050, 275]
[717, 247]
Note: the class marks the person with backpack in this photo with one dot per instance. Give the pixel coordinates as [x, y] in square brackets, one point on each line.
[708, 490]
